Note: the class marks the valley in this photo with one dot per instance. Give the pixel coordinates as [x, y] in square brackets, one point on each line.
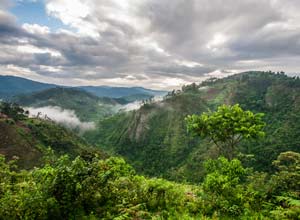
[142, 162]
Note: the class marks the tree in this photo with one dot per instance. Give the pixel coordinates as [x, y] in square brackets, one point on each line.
[226, 127]
[283, 187]
[288, 176]
[223, 187]
[13, 111]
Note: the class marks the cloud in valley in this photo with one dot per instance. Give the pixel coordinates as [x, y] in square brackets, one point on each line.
[64, 117]
[159, 44]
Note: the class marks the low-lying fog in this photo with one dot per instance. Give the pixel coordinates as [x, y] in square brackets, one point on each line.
[64, 117]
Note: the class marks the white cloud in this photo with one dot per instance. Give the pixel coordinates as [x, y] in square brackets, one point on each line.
[65, 117]
[73, 13]
[11, 69]
[50, 68]
[36, 29]
[131, 106]
[33, 49]
[158, 44]
[217, 41]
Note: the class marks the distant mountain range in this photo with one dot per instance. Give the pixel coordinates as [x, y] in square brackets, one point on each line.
[11, 86]
[117, 92]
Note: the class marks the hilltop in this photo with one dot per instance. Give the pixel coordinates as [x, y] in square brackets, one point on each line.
[155, 141]
[78, 181]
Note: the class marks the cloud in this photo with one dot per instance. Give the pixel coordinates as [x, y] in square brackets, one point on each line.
[36, 29]
[137, 104]
[4, 4]
[65, 117]
[152, 43]
[130, 106]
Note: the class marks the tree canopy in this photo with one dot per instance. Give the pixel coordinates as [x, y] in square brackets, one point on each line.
[226, 127]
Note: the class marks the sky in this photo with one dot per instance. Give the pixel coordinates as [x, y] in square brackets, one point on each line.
[158, 44]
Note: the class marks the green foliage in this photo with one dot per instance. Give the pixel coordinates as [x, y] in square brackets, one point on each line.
[29, 138]
[154, 138]
[283, 187]
[110, 189]
[87, 107]
[226, 127]
[153, 150]
[13, 111]
[288, 175]
[290, 208]
[100, 189]
[222, 185]
[288, 161]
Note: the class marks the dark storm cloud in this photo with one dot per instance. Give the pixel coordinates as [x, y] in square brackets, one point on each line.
[139, 40]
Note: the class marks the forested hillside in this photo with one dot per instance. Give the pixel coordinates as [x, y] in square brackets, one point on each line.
[87, 107]
[90, 187]
[155, 141]
[27, 140]
[73, 180]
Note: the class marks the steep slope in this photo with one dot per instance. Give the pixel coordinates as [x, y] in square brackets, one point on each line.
[155, 141]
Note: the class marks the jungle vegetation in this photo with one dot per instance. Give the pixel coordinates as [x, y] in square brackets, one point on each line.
[210, 150]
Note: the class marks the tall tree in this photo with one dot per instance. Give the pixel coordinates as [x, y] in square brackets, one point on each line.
[226, 127]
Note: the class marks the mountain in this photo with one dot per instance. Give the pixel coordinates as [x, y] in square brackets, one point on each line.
[29, 138]
[117, 92]
[133, 98]
[155, 141]
[85, 184]
[86, 106]
[11, 86]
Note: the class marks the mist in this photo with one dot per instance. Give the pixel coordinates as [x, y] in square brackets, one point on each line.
[65, 117]
[137, 104]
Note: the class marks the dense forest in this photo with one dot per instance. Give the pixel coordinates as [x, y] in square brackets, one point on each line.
[154, 139]
[226, 148]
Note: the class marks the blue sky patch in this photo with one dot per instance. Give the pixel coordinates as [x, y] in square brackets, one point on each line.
[34, 12]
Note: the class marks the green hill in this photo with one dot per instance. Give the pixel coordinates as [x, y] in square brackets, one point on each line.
[29, 138]
[155, 141]
[87, 107]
